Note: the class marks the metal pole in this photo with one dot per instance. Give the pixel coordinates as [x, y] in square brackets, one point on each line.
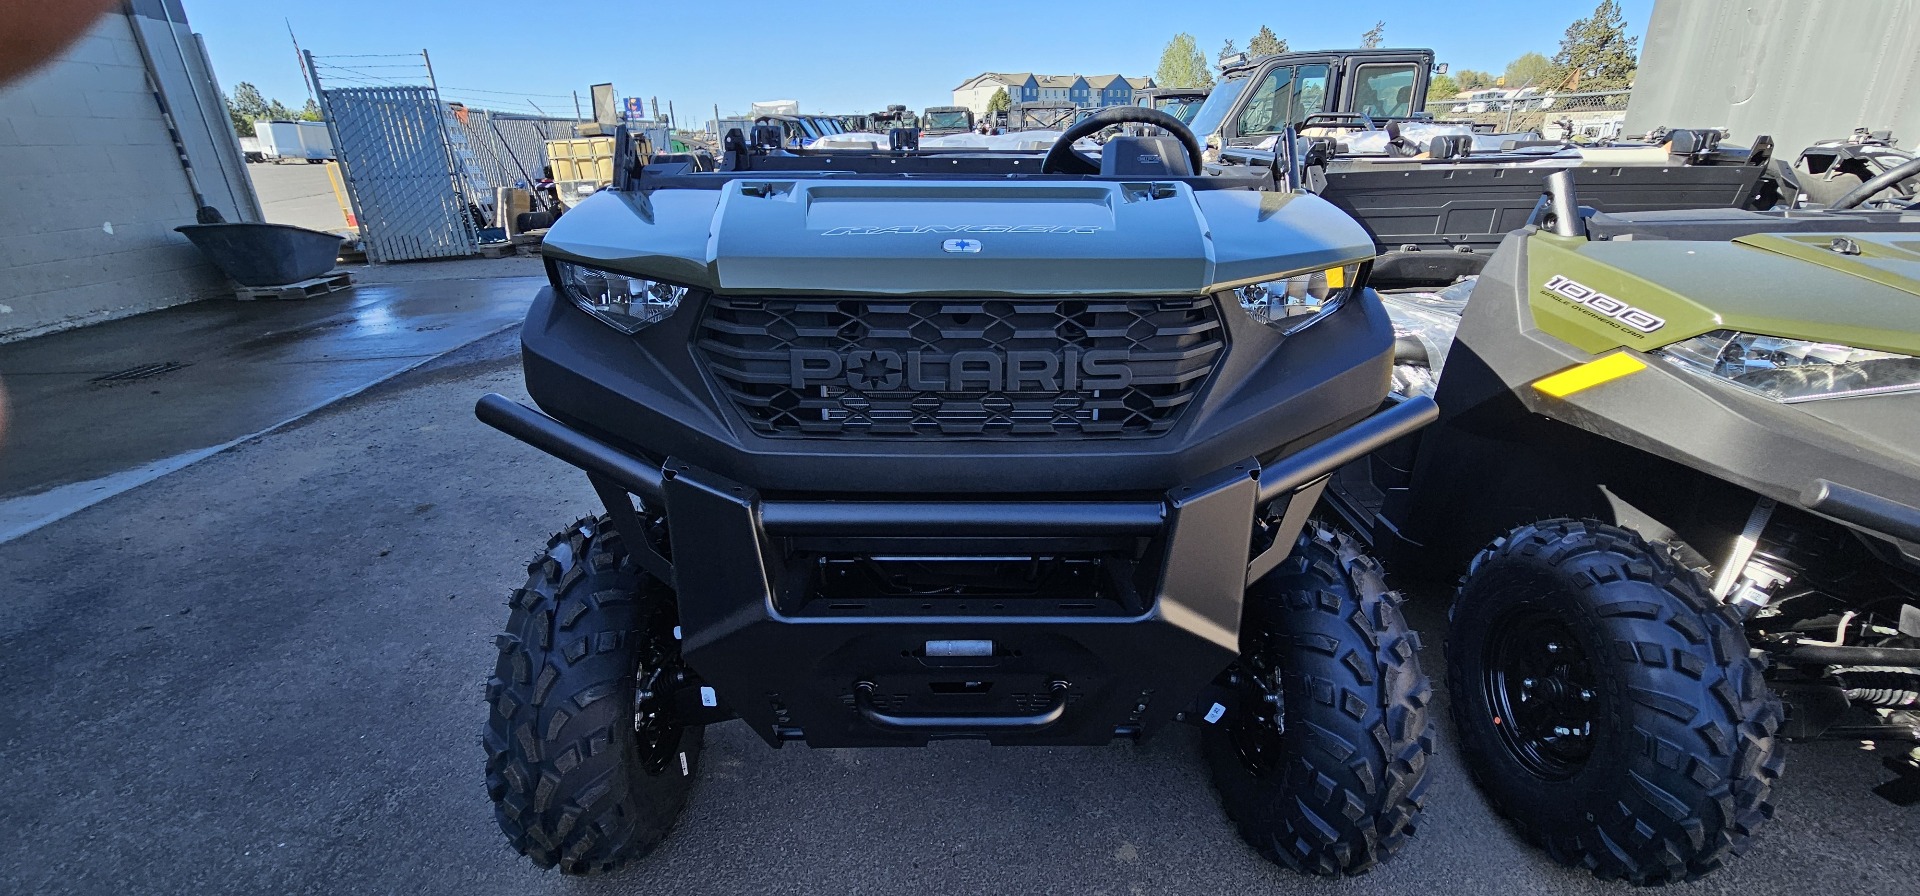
[460, 186]
[166, 113]
[576, 107]
[340, 155]
[312, 92]
[670, 125]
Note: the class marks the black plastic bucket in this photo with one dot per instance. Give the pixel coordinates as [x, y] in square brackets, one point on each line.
[265, 254]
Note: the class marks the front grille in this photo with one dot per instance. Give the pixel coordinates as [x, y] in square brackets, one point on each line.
[961, 368]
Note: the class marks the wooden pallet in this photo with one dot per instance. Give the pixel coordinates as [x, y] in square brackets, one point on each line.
[529, 243]
[305, 289]
[496, 250]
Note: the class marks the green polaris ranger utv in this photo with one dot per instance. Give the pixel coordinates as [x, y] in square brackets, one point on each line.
[1692, 442]
[921, 443]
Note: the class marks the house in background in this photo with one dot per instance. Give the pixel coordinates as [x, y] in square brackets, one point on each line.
[1027, 87]
[1115, 90]
[976, 92]
[1063, 88]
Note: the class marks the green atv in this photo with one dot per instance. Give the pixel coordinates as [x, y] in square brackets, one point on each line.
[1692, 442]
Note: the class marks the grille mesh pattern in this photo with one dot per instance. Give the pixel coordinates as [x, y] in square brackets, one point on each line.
[961, 368]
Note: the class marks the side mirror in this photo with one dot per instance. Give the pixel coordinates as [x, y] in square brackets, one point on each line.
[1440, 68]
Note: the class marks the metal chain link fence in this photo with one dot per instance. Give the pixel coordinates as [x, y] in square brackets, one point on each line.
[394, 154]
[510, 149]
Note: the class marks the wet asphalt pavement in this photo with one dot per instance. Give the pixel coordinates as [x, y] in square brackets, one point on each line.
[262, 674]
[99, 409]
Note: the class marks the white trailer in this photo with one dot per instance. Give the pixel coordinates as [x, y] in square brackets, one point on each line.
[294, 141]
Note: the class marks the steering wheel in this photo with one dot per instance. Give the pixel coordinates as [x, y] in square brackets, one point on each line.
[1062, 158]
[1860, 194]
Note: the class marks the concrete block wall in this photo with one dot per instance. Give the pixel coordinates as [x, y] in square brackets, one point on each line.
[91, 184]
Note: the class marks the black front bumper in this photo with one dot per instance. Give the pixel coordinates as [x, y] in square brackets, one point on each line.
[1131, 642]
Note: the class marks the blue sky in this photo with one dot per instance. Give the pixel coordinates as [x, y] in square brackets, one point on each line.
[831, 55]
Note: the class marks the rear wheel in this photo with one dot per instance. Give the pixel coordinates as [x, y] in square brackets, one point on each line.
[1323, 764]
[1608, 705]
[586, 765]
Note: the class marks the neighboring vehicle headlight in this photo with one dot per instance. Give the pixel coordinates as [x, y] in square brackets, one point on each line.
[625, 302]
[1795, 370]
[1293, 304]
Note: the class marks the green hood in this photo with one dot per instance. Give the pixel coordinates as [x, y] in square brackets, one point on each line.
[1789, 285]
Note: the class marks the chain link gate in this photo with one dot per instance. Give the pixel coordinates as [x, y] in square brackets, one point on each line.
[394, 153]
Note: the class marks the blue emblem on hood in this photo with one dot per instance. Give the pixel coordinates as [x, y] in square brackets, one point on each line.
[962, 247]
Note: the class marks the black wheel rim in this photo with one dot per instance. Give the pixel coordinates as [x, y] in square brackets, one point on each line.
[1541, 691]
[1257, 725]
[656, 732]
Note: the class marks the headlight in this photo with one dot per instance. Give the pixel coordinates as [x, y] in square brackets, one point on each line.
[625, 302]
[1795, 370]
[1293, 304]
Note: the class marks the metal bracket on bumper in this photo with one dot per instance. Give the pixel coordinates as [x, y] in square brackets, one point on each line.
[866, 675]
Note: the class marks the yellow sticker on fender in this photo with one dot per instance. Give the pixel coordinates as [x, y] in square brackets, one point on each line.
[1590, 374]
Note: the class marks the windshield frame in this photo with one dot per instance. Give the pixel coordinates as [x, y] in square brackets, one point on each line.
[931, 121]
[1212, 115]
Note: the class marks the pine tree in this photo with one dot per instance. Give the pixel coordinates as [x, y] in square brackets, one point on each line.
[1597, 54]
[1265, 43]
[1373, 36]
[1182, 65]
[1228, 52]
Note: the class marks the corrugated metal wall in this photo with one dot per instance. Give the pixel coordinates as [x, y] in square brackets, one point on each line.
[1798, 70]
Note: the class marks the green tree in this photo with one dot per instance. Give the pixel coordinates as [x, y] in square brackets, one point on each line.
[1373, 36]
[311, 112]
[1266, 43]
[1228, 51]
[1442, 87]
[1468, 79]
[1530, 68]
[1182, 65]
[1597, 54]
[247, 101]
[1001, 101]
[242, 125]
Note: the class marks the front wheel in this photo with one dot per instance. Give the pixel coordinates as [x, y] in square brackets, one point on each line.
[1323, 764]
[586, 764]
[1608, 706]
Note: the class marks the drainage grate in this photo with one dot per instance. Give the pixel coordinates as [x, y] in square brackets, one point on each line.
[144, 372]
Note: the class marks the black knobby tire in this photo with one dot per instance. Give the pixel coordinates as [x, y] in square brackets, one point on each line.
[573, 784]
[1673, 775]
[1337, 788]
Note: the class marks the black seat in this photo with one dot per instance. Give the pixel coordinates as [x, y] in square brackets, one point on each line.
[1145, 157]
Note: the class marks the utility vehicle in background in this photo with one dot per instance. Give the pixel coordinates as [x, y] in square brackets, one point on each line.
[1179, 102]
[1437, 196]
[957, 443]
[1678, 458]
[940, 121]
[1042, 115]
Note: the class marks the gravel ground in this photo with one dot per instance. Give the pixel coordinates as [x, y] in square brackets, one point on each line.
[262, 674]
